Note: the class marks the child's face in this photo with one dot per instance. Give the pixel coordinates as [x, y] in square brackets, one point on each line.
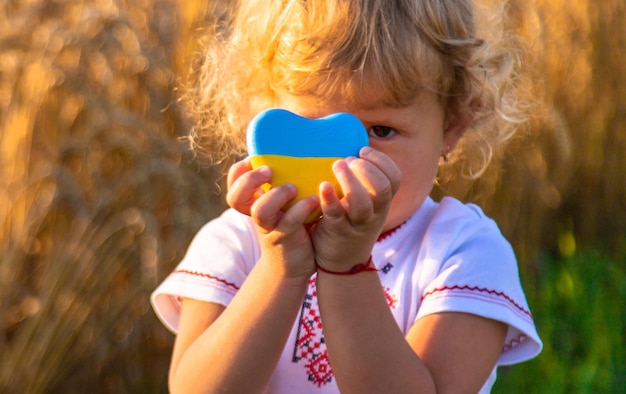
[413, 136]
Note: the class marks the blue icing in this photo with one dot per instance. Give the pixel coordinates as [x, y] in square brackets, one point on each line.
[280, 132]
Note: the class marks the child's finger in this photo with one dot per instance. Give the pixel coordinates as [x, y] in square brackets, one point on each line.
[359, 200]
[243, 189]
[267, 211]
[237, 170]
[376, 184]
[297, 214]
[332, 207]
[384, 164]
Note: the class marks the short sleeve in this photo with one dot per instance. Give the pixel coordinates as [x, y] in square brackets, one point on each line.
[478, 274]
[218, 260]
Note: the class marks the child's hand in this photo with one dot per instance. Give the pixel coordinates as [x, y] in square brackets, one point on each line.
[285, 242]
[349, 227]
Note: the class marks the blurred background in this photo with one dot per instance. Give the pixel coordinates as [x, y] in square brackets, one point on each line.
[100, 196]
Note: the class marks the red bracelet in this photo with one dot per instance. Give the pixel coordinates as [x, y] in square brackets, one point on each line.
[367, 266]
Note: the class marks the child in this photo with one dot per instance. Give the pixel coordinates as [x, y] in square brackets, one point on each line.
[389, 291]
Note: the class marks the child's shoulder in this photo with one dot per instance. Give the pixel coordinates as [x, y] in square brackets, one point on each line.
[451, 207]
[457, 225]
[230, 226]
[452, 213]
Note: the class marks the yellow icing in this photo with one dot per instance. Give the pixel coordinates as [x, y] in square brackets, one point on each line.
[306, 173]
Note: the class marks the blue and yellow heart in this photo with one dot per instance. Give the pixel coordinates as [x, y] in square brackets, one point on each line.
[302, 151]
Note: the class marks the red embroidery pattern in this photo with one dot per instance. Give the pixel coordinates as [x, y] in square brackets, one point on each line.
[310, 346]
[208, 276]
[480, 290]
[516, 342]
[392, 300]
[389, 233]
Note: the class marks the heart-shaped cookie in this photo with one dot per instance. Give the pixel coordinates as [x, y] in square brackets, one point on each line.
[302, 151]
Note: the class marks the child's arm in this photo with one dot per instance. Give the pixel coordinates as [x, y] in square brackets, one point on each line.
[442, 353]
[235, 349]
[459, 349]
[449, 352]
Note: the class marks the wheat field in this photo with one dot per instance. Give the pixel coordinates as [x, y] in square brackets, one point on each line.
[100, 194]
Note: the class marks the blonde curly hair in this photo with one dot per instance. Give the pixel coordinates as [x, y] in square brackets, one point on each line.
[323, 48]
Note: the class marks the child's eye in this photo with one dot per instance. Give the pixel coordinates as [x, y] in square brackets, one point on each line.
[381, 131]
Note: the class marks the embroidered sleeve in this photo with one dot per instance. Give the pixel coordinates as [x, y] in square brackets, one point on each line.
[217, 262]
[478, 274]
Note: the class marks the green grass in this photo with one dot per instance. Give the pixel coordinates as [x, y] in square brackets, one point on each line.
[579, 305]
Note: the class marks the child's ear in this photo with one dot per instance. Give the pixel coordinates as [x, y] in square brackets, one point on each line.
[456, 125]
